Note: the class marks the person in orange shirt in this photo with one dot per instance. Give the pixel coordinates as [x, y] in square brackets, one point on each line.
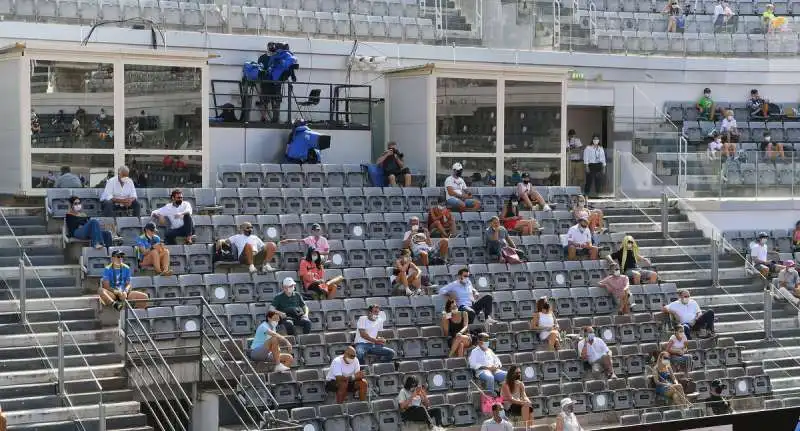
[441, 223]
[312, 273]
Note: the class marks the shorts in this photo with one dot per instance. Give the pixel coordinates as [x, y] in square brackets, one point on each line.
[544, 335]
[416, 249]
[455, 203]
[396, 173]
[770, 266]
[331, 385]
[258, 258]
[578, 251]
[516, 410]
[271, 93]
[644, 273]
[261, 354]
[318, 289]
[511, 223]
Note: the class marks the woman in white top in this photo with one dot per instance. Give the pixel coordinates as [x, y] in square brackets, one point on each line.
[676, 346]
[545, 322]
[566, 419]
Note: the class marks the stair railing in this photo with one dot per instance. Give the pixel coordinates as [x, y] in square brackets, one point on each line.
[556, 24]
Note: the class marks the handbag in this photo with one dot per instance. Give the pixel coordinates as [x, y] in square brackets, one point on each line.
[488, 401]
[510, 255]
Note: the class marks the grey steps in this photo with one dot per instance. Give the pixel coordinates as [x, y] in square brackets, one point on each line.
[39, 293]
[660, 242]
[725, 289]
[37, 211]
[706, 281]
[642, 218]
[23, 230]
[690, 265]
[76, 302]
[54, 401]
[50, 316]
[43, 327]
[31, 251]
[689, 233]
[17, 220]
[48, 282]
[72, 387]
[126, 422]
[118, 416]
[51, 259]
[69, 361]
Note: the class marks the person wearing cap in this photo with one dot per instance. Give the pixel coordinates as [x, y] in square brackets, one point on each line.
[79, 225]
[789, 282]
[120, 192]
[498, 421]
[566, 419]
[177, 217]
[312, 273]
[441, 222]
[345, 376]
[485, 364]
[467, 297]
[367, 341]
[618, 286]
[393, 167]
[315, 241]
[759, 256]
[150, 252]
[115, 284]
[251, 249]
[266, 344]
[291, 308]
[628, 258]
[686, 312]
[528, 195]
[458, 196]
[418, 240]
[595, 353]
[578, 241]
[497, 238]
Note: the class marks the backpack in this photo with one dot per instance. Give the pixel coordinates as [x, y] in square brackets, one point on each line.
[251, 71]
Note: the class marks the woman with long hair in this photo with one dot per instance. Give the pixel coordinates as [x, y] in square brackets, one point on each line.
[545, 322]
[415, 406]
[628, 258]
[455, 325]
[312, 272]
[595, 217]
[666, 383]
[515, 400]
[513, 222]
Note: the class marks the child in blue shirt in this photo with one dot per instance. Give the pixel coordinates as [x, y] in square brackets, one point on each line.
[151, 252]
[115, 285]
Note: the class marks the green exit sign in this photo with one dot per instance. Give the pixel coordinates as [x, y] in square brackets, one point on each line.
[574, 75]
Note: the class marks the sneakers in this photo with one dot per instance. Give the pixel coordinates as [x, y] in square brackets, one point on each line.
[252, 269]
[281, 368]
[118, 305]
[489, 322]
[267, 268]
[547, 208]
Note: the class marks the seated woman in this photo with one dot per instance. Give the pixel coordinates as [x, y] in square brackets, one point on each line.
[595, 217]
[312, 272]
[545, 322]
[666, 383]
[628, 258]
[515, 400]
[454, 324]
[617, 286]
[80, 226]
[266, 345]
[528, 195]
[408, 279]
[497, 238]
[150, 252]
[415, 406]
[676, 347]
[513, 222]
[729, 128]
[796, 239]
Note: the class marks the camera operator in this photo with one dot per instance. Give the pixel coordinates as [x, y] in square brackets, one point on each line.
[392, 163]
[716, 402]
[278, 64]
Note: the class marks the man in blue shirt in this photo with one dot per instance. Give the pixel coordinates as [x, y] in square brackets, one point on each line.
[115, 285]
[466, 297]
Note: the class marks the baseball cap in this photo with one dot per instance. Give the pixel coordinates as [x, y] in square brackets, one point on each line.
[457, 166]
[117, 253]
[288, 281]
[567, 401]
[789, 263]
[316, 226]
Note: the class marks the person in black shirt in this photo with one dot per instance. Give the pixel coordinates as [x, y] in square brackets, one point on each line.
[79, 225]
[268, 89]
[628, 257]
[716, 402]
[758, 107]
[392, 163]
[770, 150]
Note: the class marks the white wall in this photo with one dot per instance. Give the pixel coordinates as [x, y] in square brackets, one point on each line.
[409, 127]
[11, 87]
[745, 214]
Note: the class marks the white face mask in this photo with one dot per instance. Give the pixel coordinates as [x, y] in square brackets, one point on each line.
[615, 272]
[665, 361]
[274, 323]
[719, 141]
[767, 138]
[590, 336]
[595, 141]
[290, 291]
[483, 346]
[684, 301]
[730, 117]
[77, 207]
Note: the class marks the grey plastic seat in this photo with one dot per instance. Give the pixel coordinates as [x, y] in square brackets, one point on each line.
[652, 417]
[312, 390]
[356, 227]
[272, 200]
[231, 176]
[293, 200]
[413, 345]
[229, 200]
[631, 419]
[578, 276]
[58, 202]
[395, 199]
[167, 290]
[414, 199]
[376, 201]
[333, 417]
[402, 310]
[292, 175]
[335, 228]
[162, 324]
[357, 254]
[478, 252]
[335, 175]
[314, 175]
[335, 314]
[191, 285]
[217, 288]
[291, 226]
[376, 226]
[178, 261]
[315, 201]
[643, 396]
[242, 287]
[240, 321]
[224, 226]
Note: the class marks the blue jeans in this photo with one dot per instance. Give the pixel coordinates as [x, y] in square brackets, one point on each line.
[383, 353]
[91, 230]
[489, 379]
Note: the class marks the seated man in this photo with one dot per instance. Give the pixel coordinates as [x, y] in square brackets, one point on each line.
[150, 252]
[441, 222]
[496, 238]
[618, 286]
[68, 180]
[770, 150]
[250, 250]
[486, 365]
[120, 193]
[758, 107]
[467, 297]
[266, 344]
[579, 241]
[595, 353]
[345, 376]
[291, 308]
[177, 217]
[706, 108]
[789, 283]
[759, 256]
[393, 167]
[115, 285]
[686, 312]
[458, 196]
[367, 341]
[528, 195]
[418, 240]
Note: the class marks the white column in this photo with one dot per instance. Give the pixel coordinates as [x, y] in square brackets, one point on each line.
[205, 148]
[119, 113]
[431, 96]
[26, 160]
[500, 117]
[563, 151]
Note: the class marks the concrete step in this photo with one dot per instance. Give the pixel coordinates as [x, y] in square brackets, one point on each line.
[60, 414]
[753, 325]
[40, 293]
[128, 422]
[32, 241]
[23, 211]
[643, 218]
[50, 316]
[681, 252]
[689, 233]
[787, 383]
[655, 211]
[29, 377]
[726, 290]
[649, 226]
[44, 327]
[724, 273]
[770, 353]
[69, 361]
[56, 401]
[45, 260]
[55, 271]
[52, 281]
[689, 265]
[52, 350]
[72, 387]
[24, 230]
[672, 242]
[34, 305]
[705, 281]
[30, 251]
[50, 338]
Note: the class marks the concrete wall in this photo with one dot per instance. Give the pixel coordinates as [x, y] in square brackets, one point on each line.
[14, 120]
[409, 127]
[744, 214]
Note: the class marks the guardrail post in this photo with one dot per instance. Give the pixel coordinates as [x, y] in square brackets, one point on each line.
[61, 359]
[202, 330]
[23, 310]
[715, 246]
[664, 215]
[767, 311]
[101, 414]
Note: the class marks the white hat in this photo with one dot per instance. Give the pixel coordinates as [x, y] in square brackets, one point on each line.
[457, 166]
[566, 401]
[288, 281]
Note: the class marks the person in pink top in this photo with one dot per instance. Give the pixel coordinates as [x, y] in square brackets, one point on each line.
[315, 241]
[617, 284]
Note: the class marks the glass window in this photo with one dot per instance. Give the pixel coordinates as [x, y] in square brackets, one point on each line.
[163, 107]
[543, 172]
[533, 117]
[466, 115]
[72, 105]
[91, 168]
[477, 171]
[165, 171]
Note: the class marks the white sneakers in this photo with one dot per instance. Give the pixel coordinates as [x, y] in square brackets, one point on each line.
[281, 368]
[252, 269]
[267, 268]
[547, 208]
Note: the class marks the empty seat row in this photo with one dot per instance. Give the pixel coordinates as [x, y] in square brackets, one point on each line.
[741, 7]
[384, 8]
[656, 22]
[272, 175]
[761, 174]
[696, 43]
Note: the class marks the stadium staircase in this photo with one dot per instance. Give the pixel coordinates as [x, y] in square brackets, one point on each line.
[29, 389]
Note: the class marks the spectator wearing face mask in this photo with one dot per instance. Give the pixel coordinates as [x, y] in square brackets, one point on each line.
[291, 308]
[730, 128]
[575, 150]
[715, 146]
[115, 285]
[408, 280]
[595, 353]
[513, 222]
[367, 341]
[266, 345]
[345, 376]
[666, 383]
[177, 215]
[120, 193]
[617, 286]
[415, 406]
[686, 312]
[459, 198]
[454, 324]
[467, 297]
[706, 107]
[485, 364]
[251, 249]
[566, 419]
[594, 159]
[771, 150]
[498, 421]
[595, 216]
[150, 252]
[316, 241]
[528, 195]
[78, 225]
[312, 272]
[789, 283]
[676, 347]
[579, 241]
[759, 256]
[545, 323]
[418, 240]
[628, 258]
[515, 400]
[441, 222]
[759, 108]
[497, 238]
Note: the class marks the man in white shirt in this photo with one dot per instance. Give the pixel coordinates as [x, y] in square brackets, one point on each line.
[250, 250]
[367, 341]
[759, 255]
[594, 351]
[419, 241]
[485, 364]
[578, 241]
[498, 421]
[686, 312]
[120, 193]
[594, 159]
[345, 377]
[719, 16]
[458, 197]
[177, 215]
